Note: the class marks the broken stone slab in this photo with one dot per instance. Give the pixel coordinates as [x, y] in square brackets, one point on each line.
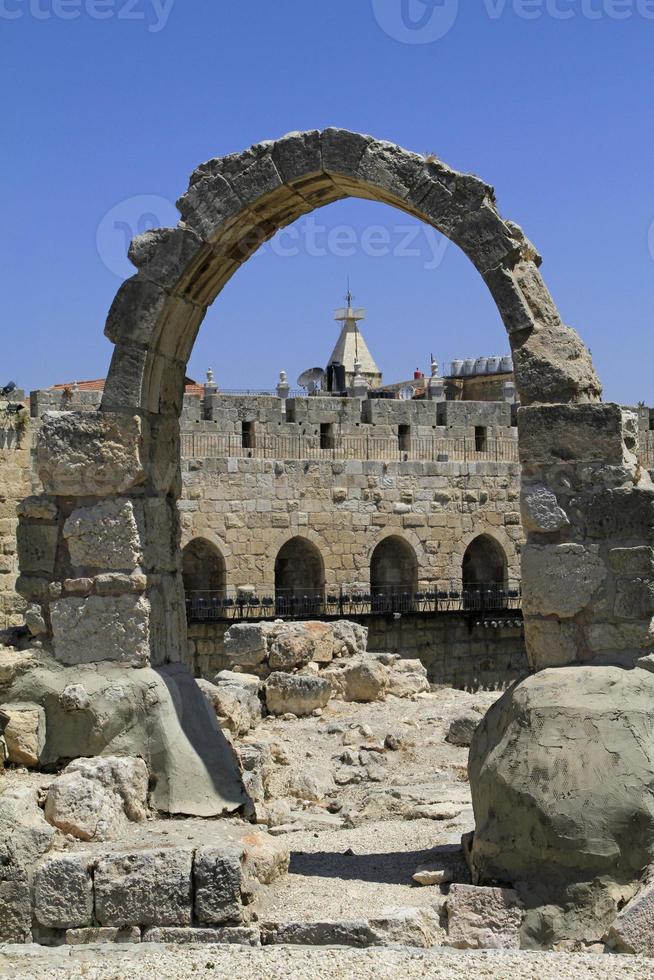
[63, 892]
[24, 733]
[299, 694]
[93, 799]
[89, 454]
[315, 785]
[345, 932]
[147, 888]
[232, 935]
[482, 918]
[419, 928]
[98, 934]
[447, 865]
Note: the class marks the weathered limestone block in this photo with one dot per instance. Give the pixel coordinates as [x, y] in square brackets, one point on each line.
[349, 638]
[246, 644]
[217, 879]
[357, 679]
[210, 207]
[163, 255]
[25, 733]
[63, 892]
[148, 888]
[553, 365]
[551, 643]
[38, 508]
[88, 454]
[297, 694]
[483, 918]
[562, 579]
[571, 433]
[404, 678]
[101, 628]
[34, 621]
[24, 839]
[316, 785]
[105, 536]
[342, 151]
[294, 645]
[297, 156]
[632, 561]
[633, 929]
[93, 799]
[37, 548]
[560, 772]
[541, 512]
[617, 513]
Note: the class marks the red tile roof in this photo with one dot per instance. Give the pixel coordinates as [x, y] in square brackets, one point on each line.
[190, 387]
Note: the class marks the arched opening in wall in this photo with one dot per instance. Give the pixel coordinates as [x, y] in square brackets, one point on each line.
[299, 579]
[393, 575]
[484, 573]
[203, 571]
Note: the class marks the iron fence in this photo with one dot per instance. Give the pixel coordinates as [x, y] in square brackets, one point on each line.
[311, 604]
[214, 445]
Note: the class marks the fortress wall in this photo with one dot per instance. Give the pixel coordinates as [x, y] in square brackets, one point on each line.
[249, 508]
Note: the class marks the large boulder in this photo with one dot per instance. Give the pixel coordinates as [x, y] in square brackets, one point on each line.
[561, 778]
[297, 694]
[280, 646]
[158, 714]
[237, 705]
[93, 799]
[357, 679]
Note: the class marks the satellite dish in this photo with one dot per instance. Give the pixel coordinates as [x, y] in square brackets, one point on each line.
[311, 379]
[407, 393]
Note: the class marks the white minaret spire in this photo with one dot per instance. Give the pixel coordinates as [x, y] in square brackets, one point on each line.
[351, 349]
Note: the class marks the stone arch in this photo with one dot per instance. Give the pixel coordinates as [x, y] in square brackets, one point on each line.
[129, 452]
[203, 567]
[393, 567]
[236, 203]
[485, 564]
[299, 569]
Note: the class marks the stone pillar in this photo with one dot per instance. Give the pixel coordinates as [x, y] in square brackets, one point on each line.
[588, 511]
[99, 549]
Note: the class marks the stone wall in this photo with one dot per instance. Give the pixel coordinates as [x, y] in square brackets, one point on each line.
[15, 483]
[455, 651]
[249, 508]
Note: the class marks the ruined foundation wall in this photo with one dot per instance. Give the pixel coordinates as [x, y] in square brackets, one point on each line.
[454, 651]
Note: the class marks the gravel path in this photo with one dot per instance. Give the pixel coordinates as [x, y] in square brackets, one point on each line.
[280, 963]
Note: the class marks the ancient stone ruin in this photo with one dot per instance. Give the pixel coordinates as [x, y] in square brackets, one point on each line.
[560, 767]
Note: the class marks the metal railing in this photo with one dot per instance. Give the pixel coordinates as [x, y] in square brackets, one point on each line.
[214, 445]
[311, 604]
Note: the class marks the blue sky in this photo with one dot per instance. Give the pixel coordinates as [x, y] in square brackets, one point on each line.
[110, 104]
